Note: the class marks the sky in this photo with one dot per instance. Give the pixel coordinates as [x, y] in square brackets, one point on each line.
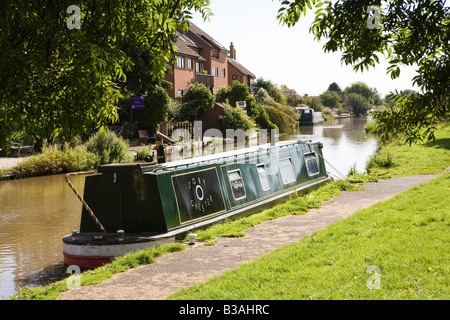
[289, 56]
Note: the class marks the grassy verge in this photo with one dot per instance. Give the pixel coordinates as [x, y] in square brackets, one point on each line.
[397, 159]
[120, 264]
[398, 249]
[294, 206]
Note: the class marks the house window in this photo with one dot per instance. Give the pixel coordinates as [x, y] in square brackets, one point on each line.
[263, 177]
[190, 64]
[216, 72]
[311, 164]
[180, 93]
[237, 184]
[180, 62]
[286, 170]
[223, 72]
[197, 67]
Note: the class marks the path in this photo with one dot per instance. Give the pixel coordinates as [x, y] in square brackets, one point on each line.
[180, 270]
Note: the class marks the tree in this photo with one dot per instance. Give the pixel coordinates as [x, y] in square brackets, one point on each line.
[362, 89]
[272, 89]
[60, 80]
[238, 92]
[156, 109]
[334, 87]
[196, 100]
[409, 32]
[315, 103]
[359, 103]
[330, 99]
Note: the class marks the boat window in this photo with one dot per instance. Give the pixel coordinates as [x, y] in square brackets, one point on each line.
[263, 177]
[237, 184]
[286, 170]
[311, 164]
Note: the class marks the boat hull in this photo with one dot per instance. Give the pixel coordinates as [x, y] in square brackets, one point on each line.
[94, 250]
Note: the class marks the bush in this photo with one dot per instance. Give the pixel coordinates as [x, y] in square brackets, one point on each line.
[359, 103]
[109, 148]
[196, 100]
[238, 92]
[54, 161]
[236, 118]
[283, 117]
[157, 105]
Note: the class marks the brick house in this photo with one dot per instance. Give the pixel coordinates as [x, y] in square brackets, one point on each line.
[202, 59]
[237, 71]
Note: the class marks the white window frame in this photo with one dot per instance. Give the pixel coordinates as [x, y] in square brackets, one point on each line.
[231, 186]
[262, 165]
[317, 163]
[290, 165]
[180, 62]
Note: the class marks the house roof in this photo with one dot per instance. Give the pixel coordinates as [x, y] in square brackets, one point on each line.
[210, 41]
[186, 47]
[240, 67]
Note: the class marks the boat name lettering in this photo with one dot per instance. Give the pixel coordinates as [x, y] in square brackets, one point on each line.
[203, 205]
[195, 181]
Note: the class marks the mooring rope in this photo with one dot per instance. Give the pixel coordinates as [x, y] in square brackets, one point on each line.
[342, 176]
[89, 210]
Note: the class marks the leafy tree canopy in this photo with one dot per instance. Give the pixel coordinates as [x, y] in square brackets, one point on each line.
[197, 99]
[409, 32]
[330, 99]
[60, 80]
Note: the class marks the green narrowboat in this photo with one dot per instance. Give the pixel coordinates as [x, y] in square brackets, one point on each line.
[131, 207]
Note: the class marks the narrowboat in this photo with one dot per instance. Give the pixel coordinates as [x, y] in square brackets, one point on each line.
[129, 207]
[309, 117]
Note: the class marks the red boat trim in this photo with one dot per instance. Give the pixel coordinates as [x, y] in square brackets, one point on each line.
[88, 262]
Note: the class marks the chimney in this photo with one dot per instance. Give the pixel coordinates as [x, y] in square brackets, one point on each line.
[232, 51]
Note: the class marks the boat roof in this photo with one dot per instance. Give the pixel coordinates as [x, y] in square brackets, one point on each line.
[220, 156]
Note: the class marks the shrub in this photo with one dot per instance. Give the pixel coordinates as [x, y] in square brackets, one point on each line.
[54, 161]
[283, 117]
[157, 105]
[196, 100]
[109, 148]
[236, 118]
[238, 92]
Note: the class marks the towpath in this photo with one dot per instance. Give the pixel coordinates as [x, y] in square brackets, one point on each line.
[197, 264]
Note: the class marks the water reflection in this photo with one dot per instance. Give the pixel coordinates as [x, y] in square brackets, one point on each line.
[35, 214]
[345, 141]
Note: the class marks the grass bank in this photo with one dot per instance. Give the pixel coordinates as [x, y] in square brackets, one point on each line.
[400, 159]
[90, 277]
[398, 249]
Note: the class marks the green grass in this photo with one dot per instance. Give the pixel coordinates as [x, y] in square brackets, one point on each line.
[90, 277]
[405, 237]
[297, 204]
[399, 159]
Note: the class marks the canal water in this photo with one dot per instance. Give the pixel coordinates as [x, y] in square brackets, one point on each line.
[35, 213]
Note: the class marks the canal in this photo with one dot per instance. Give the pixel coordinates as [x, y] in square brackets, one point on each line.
[36, 213]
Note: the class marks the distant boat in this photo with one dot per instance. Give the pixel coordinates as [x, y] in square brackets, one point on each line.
[309, 117]
[129, 207]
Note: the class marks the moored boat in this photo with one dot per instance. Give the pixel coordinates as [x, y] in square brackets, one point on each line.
[309, 117]
[129, 207]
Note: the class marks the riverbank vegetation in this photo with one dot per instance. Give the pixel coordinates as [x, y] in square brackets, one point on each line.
[399, 159]
[101, 148]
